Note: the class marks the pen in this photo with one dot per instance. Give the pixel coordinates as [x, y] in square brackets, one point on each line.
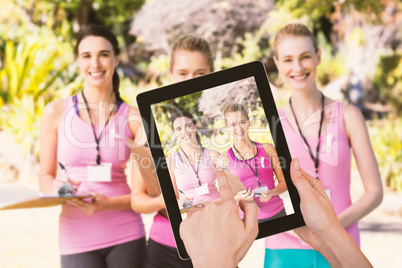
[68, 177]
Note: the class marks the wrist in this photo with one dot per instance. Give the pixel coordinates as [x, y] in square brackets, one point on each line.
[335, 245]
[220, 261]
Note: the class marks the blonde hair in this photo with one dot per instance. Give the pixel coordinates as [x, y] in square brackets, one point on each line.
[295, 30]
[235, 107]
[193, 43]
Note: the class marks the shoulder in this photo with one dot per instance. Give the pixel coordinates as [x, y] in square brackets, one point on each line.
[53, 111]
[351, 112]
[268, 147]
[133, 111]
[352, 118]
[213, 153]
[171, 160]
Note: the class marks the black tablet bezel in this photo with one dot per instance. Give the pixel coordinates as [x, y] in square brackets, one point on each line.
[253, 69]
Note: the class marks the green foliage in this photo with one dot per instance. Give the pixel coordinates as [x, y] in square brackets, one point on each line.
[386, 139]
[34, 66]
[315, 9]
[31, 67]
[312, 8]
[331, 66]
[252, 50]
[22, 119]
[388, 80]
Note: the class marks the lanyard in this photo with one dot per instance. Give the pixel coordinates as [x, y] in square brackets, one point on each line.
[195, 171]
[317, 156]
[255, 163]
[98, 159]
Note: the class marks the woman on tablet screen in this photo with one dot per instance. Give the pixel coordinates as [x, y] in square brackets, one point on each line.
[314, 123]
[255, 164]
[190, 57]
[77, 133]
[191, 168]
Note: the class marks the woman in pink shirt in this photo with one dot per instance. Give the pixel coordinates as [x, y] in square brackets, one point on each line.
[190, 57]
[87, 135]
[255, 164]
[320, 132]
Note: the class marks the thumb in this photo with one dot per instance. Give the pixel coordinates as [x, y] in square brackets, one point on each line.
[304, 182]
[250, 220]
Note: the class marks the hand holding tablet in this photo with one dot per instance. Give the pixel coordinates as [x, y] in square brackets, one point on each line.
[211, 244]
[206, 233]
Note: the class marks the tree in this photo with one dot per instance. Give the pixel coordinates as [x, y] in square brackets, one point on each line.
[222, 23]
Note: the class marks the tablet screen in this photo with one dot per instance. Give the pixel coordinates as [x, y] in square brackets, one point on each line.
[226, 119]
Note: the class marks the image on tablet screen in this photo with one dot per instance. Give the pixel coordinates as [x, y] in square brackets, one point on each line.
[223, 126]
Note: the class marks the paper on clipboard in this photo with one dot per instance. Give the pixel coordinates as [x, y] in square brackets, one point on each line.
[43, 201]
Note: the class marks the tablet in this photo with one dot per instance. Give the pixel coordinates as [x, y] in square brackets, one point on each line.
[192, 127]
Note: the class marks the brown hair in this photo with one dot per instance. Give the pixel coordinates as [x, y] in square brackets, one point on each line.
[235, 107]
[193, 43]
[295, 30]
[101, 31]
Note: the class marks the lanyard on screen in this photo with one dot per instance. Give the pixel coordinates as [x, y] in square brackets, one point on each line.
[255, 163]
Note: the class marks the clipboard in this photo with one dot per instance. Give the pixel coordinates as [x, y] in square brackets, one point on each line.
[43, 201]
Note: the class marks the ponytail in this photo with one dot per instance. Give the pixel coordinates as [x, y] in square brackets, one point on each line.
[116, 85]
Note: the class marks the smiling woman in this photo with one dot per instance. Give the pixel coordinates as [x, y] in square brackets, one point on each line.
[87, 134]
[320, 132]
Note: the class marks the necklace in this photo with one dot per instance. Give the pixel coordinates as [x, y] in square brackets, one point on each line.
[315, 159]
[97, 139]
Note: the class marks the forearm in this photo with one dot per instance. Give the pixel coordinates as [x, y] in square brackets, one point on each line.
[46, 184]
[143, 203]
[119, 202]
[341, 251]
[279, 189]
[363, 206]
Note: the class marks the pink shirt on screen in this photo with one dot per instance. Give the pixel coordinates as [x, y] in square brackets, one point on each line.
[186, 178]
[265, 175]
[333, 171]
[76, 148]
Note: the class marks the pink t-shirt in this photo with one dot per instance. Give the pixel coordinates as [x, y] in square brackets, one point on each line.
[333, 171]
[76, 148]
[262, 165]
[186, 178]
[161, 231]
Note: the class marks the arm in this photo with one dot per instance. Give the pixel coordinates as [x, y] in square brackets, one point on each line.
[368, 168]
[323, 231]
[276, 166]
[52, 115]
[141, 202]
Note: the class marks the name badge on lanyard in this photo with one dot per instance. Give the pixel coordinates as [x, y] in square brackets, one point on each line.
[203, 189]
[260, 189]
[100, 173]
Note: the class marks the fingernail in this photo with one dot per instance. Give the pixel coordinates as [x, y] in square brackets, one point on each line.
[297, 164]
